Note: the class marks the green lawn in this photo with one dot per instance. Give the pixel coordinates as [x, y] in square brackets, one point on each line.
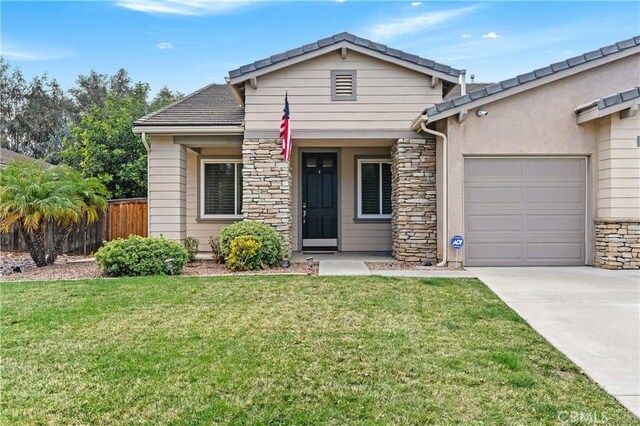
[285, 350]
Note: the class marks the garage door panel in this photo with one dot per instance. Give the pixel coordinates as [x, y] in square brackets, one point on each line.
[524, 211]
[491, 169]
[555, 194]
[492, 253]
[557, 169]
[555, 252]
[492, 195]
[494, 223]
[555, 223]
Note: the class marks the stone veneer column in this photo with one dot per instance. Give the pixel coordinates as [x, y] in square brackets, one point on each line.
[413, 198]
[266, 186]
[617, 243]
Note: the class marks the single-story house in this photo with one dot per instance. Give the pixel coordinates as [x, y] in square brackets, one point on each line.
[395, 152]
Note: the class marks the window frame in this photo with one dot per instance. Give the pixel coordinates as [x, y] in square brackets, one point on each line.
[359, 214]
[202, 183]
[354, 86]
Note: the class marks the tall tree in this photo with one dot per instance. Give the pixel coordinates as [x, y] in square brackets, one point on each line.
[165, 97]
[103, 145]
[32, 114]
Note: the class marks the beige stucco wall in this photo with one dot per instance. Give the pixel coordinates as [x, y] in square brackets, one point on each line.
[536, 122]
[618, 186]
[389, 97]
[352, 234]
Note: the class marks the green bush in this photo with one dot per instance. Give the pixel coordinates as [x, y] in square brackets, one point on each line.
[191, 246]
[245, 254]
[216, 249]
[137, 256]
[271, 249]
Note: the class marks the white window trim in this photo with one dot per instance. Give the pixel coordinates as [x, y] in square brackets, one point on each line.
[235, 162]
[362, 161]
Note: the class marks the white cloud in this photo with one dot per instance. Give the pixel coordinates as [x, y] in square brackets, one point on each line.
[416, 3]
[164, 46]
[465, 36]
[182, 7]
[417, 23]
[490, 35]
[19, 52]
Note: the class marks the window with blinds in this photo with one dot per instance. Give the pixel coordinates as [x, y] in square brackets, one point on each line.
[343, 85]
[221, 188]
[374, 189]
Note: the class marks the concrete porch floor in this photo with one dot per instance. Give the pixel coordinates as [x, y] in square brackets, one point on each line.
[301, 256]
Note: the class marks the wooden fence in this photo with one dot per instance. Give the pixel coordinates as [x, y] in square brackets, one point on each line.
[122, 218]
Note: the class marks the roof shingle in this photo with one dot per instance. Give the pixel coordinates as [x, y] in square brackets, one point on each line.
[213, 105]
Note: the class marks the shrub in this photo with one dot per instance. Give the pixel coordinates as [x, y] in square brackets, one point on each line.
[216, 249]
[191, 246]
[245, 254]
[137, 256]
[271, 249]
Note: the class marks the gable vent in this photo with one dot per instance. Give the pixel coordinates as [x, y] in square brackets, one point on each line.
[343, 85]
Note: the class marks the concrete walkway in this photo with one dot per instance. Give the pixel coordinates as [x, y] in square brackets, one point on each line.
[343, 267]
[591, 315]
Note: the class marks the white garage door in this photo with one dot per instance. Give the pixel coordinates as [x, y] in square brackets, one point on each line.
[524, 211]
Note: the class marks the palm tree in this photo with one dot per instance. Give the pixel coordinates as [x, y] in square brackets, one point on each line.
[33, 196]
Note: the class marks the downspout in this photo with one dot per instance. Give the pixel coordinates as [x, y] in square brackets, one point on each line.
[445, 186]
[148, 148]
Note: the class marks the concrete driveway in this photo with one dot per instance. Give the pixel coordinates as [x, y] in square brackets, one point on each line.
[591, 315]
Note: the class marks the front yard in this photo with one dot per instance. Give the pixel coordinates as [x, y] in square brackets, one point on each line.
[257, 349]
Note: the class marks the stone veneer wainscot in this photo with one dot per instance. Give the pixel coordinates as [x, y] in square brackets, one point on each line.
[266, 192]
[618, 243]
[413, 198]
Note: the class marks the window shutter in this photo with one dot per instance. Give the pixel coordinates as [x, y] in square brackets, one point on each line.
[343, 85]
[386, 188]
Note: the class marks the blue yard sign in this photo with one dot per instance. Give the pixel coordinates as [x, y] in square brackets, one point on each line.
[457, 242]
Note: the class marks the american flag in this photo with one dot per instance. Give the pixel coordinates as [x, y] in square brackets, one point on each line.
[285, 131]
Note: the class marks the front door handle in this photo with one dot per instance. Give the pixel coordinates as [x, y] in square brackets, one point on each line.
[304, 213]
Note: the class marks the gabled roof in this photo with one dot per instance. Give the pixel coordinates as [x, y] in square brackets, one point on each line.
[608, 105]
[335, 42]
[213, 105]
[532, 79]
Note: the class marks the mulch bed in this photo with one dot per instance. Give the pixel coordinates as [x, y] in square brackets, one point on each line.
[80, 267]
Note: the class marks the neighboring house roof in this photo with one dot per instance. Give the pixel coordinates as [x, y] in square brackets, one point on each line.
[456, 90]
[532, 79]
[333, 43]
[213, 105]
[7, 156]
[608, 105]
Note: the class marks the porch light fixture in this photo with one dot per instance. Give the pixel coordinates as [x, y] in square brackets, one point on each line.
[169, 263]
[482, 113]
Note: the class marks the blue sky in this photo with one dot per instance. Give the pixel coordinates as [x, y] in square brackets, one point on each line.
[186, 44]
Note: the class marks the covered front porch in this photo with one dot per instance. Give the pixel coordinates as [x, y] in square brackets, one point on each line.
[335, 195]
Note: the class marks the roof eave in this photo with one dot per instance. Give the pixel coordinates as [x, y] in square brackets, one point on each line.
[338, 46]
[187, 130]
[586, 115]
[532, 84]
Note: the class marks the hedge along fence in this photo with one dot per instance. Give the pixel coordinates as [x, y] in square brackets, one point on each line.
[123, 218]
